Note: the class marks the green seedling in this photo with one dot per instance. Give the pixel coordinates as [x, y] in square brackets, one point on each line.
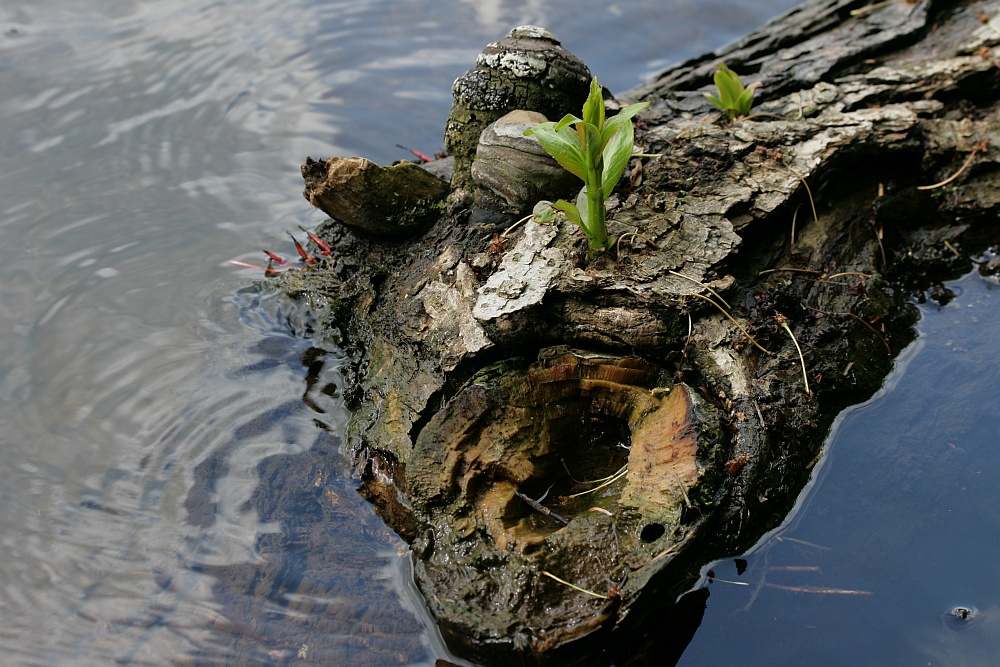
[734, 99]
[597, 153]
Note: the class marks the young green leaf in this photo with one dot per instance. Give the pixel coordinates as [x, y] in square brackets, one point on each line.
[591, 139]
[622, 117]
[596, 151]
[729, 84]
[568, 119]
[583, 206]
[616, 156]
[745, 101]
[593, 108]
[734, 99]
[571, 211]
[563, 144]
[716, 101]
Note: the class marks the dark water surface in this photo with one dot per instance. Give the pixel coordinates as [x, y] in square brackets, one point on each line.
[899, 527]
[159, 422]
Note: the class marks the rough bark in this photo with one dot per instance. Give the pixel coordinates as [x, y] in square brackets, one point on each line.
[807, 210]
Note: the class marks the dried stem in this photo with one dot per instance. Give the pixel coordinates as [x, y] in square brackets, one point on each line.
[733, 320]
[573, 586]
[783, 321]
[812, 202]
[611, 480]
[978, 148]
[701, 284]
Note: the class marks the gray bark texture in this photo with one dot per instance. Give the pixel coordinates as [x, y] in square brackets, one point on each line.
[807, 225]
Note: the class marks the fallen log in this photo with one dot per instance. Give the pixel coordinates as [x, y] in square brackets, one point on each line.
[565, 440]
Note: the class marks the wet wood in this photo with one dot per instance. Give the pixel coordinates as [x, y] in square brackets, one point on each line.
[811, 208]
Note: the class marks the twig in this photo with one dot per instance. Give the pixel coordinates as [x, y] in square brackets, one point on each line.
[978, 148]
[663, 554]
[849, 273]
[795, 216]
[511, 228]
[727, 581]
[813, 271]
[573, 586]
[586, 481]
[731, 319]
[870, 327]
[540, 508]
[618, 244]
[781, 538]
[680, 485]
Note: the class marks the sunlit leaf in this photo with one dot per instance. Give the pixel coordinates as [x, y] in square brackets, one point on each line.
[593, 108]
[622, 117]
[745, 102]
[568, 119]
[716, 101]
[562, 144]
[572, 213]
[729, 85]
[616, 156]
[592, 142]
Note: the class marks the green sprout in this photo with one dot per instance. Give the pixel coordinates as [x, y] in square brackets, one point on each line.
[597, 153]
[735, 99]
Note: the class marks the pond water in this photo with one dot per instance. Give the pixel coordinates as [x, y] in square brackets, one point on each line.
[898, 530]
[172, 486]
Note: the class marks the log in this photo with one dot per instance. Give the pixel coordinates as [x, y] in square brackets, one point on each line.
[488, 368]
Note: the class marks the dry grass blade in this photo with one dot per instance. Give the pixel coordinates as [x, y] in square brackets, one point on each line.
[611, 480]
[978, 148]
[574, 586]
[812, 202]
[783, 321]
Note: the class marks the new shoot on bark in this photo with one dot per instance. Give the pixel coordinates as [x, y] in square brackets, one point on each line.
[597, 153]
[734, 99]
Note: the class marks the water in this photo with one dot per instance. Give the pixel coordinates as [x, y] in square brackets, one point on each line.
[899, 526]
[168, 445]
